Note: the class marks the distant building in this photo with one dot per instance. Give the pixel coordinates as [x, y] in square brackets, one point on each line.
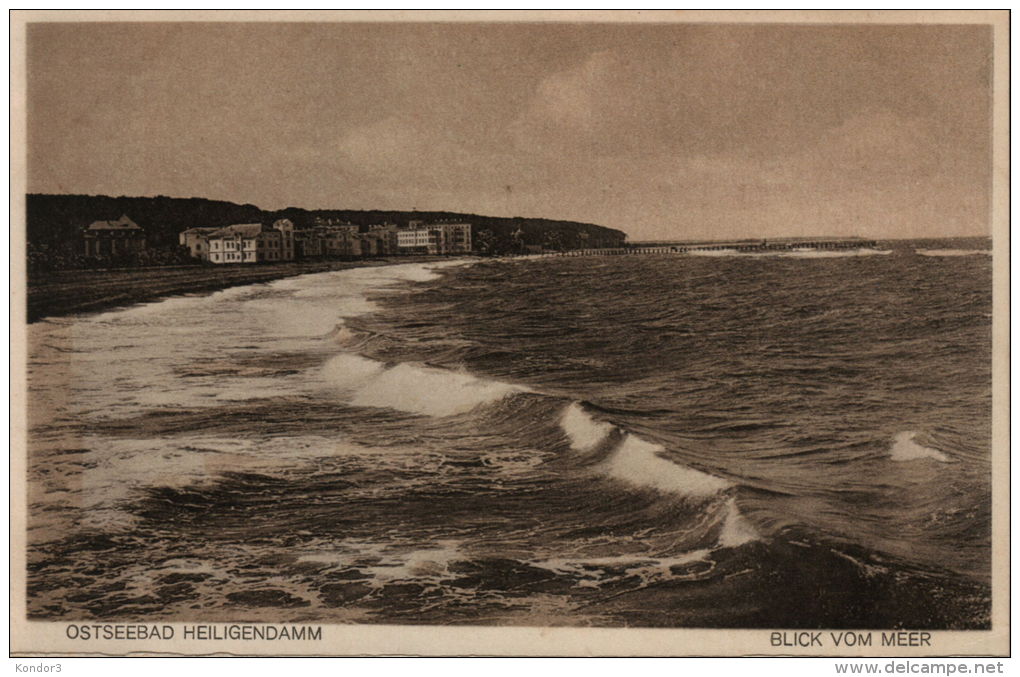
[252, 243]
[335, 224]
[197, 241]
[371, 244]
[308, 245]
[345, 240]
[417, 240]
[387, 234]
[110, 238]
[286, 229]
[339, 241]
[455, 238]
[436, 238]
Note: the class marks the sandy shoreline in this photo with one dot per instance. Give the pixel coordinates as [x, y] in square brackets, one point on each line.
[81, 291]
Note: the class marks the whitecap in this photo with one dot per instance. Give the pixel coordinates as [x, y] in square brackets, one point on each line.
[904, 448]
[348, 370]
[426, 391]
[584, 432]
[638, 463]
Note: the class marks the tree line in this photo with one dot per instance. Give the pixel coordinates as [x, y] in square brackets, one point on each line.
[54, 226]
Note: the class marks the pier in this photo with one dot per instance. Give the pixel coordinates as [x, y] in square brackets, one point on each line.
[743, 246]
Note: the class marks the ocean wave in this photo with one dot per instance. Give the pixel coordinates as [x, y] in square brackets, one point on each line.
[904, 448]
[412, 388]
[638, 463]
[434, 392]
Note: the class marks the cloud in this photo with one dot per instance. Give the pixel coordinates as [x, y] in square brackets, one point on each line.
[571, 106]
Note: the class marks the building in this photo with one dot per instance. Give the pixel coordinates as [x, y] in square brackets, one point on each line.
[370, 244]
[339, 241]
[197, 241]
[387, 234]
[435, 239]
[252, 243]
[419, 240]
[308, 245]
[286, 229]
[335, 224]
[455, 238]
[113, 238]
[344, 240]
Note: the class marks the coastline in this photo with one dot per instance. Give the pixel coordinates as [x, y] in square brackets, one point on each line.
[84, 291]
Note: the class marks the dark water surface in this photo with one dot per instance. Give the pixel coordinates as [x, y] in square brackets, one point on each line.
[798, 440]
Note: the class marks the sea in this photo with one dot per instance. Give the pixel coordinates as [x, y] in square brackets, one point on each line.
[716, 440]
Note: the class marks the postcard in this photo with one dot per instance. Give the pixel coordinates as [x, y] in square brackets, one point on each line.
[510, 333]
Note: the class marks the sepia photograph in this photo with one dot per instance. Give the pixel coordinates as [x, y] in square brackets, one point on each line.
[512, 333]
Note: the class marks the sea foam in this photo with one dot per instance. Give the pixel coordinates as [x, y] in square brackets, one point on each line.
[904, 448]
[637, 462]
[411, 388]
[348, 371]
[584, 432]
[736, 530]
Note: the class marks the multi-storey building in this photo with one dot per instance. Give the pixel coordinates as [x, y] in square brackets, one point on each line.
[416, 241]
[111, 238]
[252, 243]
[455, 238]
[308, 245]
[339, 241]
[436, 238]
[197, 241]
[387, 234]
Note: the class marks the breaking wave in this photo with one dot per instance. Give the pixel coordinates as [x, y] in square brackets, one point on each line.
[412, 388]
[904, 448]
[637, 462]
[585, 433]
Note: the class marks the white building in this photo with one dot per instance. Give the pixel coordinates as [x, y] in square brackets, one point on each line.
[436, 238]
[419, 240]
[252, 243]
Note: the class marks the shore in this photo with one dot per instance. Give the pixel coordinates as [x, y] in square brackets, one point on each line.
[80, 291]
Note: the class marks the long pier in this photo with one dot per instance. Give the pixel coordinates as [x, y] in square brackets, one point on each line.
[743, 247]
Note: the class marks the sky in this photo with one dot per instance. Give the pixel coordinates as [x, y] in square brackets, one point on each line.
[665, 131]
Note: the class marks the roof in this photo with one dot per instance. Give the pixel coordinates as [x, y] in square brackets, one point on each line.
[123, 223]
[239, 229]
[202, 230]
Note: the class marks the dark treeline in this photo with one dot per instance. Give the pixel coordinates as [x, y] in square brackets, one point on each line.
[54, 225]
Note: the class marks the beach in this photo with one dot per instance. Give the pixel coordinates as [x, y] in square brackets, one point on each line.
[78, 291]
